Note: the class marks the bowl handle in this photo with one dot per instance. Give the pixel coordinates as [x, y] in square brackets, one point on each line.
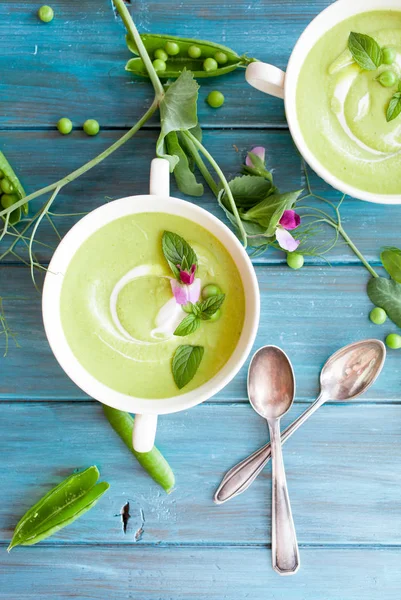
[159, 177]
[144, 432]
[266, 78]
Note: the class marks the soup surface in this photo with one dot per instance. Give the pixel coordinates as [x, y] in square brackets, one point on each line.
[342, 108]
[112, 298]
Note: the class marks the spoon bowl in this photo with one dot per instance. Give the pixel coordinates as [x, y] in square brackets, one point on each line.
[271, 382]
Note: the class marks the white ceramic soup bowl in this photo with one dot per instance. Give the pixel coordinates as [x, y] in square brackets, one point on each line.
[159, 200]
[274, 81]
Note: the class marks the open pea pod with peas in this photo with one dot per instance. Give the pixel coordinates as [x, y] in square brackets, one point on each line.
[173, 54]
[11, 190]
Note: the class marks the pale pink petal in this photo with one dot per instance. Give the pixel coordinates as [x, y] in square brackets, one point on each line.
[180, 292]
[259, 151]
[290, 219]
[194, 291]
[285, 240]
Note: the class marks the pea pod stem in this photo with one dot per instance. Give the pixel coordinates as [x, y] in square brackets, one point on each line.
[223, 180]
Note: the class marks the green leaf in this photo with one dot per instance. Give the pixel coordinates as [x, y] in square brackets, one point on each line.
[186, 361]
[208, 307]
[391, 259]
[188, 146]
[386, 294]
[258, 168]
[153, 462]
[61, 506]
[248, 190]
[268, 213]
[178, 252]
[365, 51]
[188, 325]
[177, 112]
[394, 107]
[183, 175]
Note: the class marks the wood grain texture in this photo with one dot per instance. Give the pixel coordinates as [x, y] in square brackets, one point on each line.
[197, 573]
[74, 66]
[309, 313]
[342, 471]
[41, 158]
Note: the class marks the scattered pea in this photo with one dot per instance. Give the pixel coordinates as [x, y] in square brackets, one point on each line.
[6, 186]
[210, 64]
[194, 51]
[378, 316]
[91, 127]
[393, 341]
[161, 54]
[215, 316]
[8, 200]
[46, 13]
[215, 99]
[387, 79]
[221, 58]
[64, 126]
[388, 56]
[210, 290]
[159, 65]
[187, 307]
[295, 260]
[172, 48]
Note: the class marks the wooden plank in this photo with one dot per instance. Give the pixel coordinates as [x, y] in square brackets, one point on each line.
[309, 313]
[342, 470]
[74, 66]
[203, 573]
[41, 158]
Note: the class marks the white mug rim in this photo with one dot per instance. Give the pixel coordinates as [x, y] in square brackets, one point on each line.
[327, 19]
[52, 293]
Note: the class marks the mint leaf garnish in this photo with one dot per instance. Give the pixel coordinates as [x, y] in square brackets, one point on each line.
[178, 252]
[207, 308]
[188, 325]
[394, 107]
[186, 361]
[365, 51]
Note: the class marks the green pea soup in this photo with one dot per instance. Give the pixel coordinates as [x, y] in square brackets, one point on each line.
[342, 108]
[113, 290]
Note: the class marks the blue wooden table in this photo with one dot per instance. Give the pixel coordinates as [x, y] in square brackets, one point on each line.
[343, 467]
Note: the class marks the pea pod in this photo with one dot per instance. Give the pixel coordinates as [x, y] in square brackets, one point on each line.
[59, 507]
[153, 462]
[176, 64]
[8, 172]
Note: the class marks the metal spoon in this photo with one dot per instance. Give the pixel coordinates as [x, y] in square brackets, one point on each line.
[346, 375]
[271, 390]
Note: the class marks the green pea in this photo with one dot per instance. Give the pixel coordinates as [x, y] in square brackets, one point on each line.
[388, 56]
[378, 316]
[210, 290]
[295, 260]
[387, 79]
[210, 65]
[46, 13]
[64, 126]
[187, 307]
[221, 58]
[172, 48]
[6, 186]
[91, 127]
[161, 54]
[393, 341]
[215, 99]
[194, 51]
[8, 200]
[215, 316]
[159, 65]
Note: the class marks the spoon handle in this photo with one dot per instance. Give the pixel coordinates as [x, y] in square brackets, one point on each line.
[239, 478]
[285, 554]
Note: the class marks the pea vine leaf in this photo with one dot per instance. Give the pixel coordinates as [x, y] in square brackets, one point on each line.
[391, 259]
[248, 190]
[177, 112]
[183, 174]
[386, 294]
[268, 213]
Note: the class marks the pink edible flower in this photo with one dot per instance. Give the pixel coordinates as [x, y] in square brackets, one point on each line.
[259, 151]
[290, 220]
[186, 293]
[187, 277]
